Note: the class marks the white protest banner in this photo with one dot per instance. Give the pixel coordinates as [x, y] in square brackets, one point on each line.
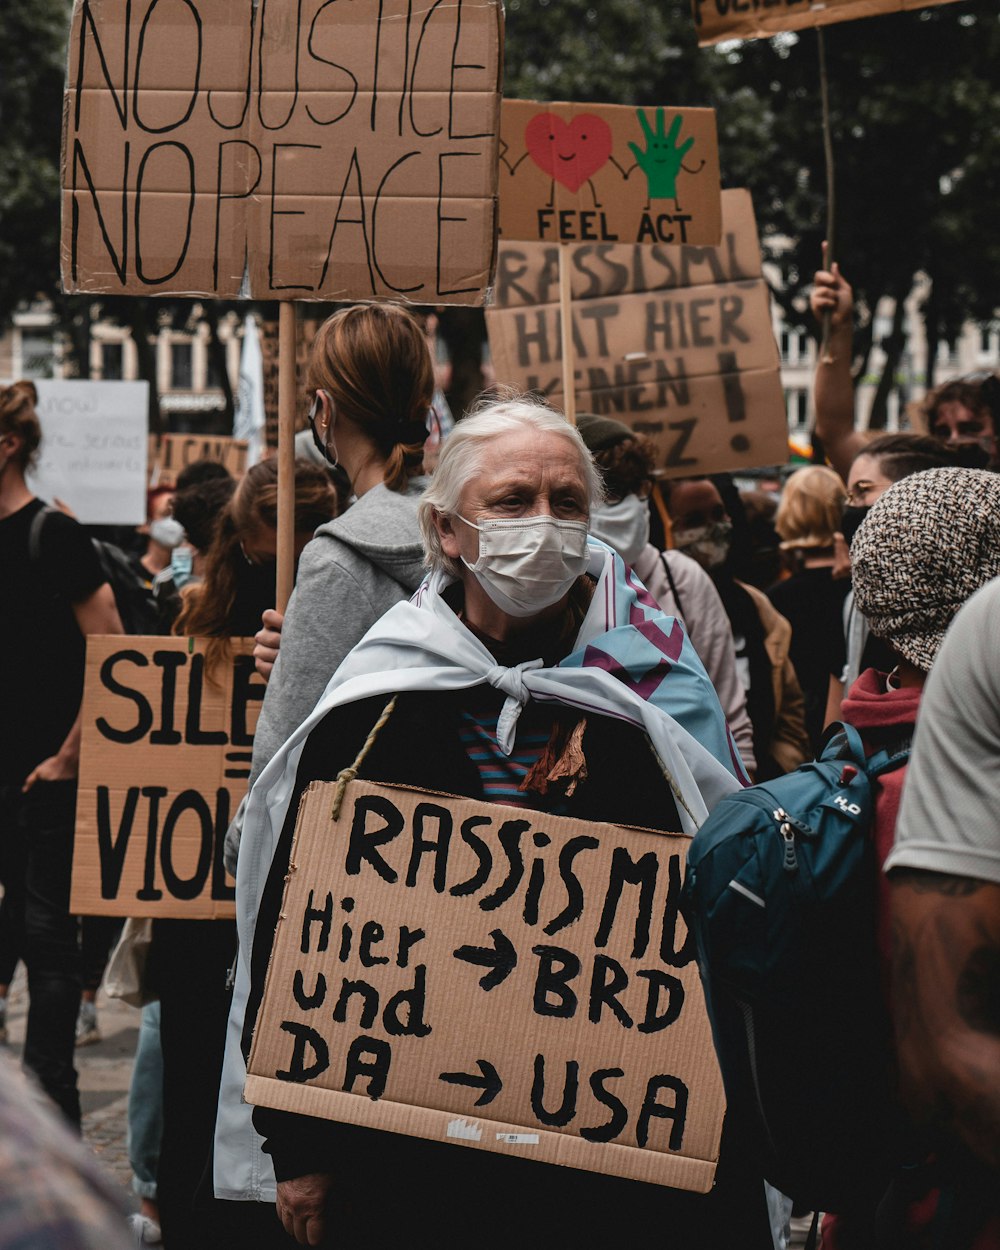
[164, 763]
[93, 455]
[677, 342]
[716, 20]
[317, 150]
[427, 980]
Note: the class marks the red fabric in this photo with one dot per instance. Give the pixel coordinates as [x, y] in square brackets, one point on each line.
[882, 716]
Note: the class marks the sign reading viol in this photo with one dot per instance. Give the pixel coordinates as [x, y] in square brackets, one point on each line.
[322, 151]
[494, 977]
[164, 762]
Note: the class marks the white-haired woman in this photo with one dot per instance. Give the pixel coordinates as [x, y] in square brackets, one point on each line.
[527, 670]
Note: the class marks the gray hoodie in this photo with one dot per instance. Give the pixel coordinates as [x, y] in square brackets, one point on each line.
[356, 567]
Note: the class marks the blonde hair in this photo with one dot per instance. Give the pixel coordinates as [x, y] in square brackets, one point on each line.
[374, 362]
[18, 418]
[811, 508]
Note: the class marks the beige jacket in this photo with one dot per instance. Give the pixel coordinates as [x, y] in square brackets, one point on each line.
[789, 743]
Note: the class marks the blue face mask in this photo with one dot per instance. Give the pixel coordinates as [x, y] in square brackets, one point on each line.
[181, 562]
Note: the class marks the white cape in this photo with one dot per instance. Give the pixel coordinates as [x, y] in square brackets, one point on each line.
[422, 645]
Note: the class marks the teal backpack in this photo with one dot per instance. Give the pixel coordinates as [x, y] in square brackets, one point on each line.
[780, 895]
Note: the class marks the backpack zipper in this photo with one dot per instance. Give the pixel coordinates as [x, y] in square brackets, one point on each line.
[791, 862]
[788, 826]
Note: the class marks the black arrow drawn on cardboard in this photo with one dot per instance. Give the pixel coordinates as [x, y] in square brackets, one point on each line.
[489, 1082]
[501, 959]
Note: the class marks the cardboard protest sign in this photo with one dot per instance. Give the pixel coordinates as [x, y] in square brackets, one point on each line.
[93, 454]
[319, 150]
[493, 977]
[759, 19]
[164, 763]
[606, 173]
[677, 342]
[175, 451]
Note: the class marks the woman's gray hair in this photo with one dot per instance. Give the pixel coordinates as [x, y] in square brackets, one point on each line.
[462, 454]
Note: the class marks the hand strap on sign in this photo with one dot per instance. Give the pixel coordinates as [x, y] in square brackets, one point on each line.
[350, 774]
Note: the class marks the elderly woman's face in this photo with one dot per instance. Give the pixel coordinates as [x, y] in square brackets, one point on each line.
[524, 473]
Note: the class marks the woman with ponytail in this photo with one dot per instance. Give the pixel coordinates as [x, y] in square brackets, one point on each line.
[371, 379]
[190, 959]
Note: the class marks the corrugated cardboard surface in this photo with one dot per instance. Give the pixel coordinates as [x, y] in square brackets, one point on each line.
[742, 19]
[174, 452]
[164, 763]
[338, 151]
[506, 912]
[570, 173]
[677, 342]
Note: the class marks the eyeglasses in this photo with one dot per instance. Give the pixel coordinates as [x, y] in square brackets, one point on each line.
[855, 496]
[615, 492]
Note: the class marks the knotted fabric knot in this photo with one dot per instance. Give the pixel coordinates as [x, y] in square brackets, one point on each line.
[511, 682]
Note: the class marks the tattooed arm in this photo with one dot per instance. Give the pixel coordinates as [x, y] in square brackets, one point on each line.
[946, 1002]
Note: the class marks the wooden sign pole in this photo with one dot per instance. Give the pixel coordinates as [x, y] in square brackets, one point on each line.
[828, 252]
[566, 323]
[286, 454]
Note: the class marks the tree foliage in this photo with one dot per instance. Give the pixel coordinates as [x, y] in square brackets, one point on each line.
[33, 38]
[915, 119]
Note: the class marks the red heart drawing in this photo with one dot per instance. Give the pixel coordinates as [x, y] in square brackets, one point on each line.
[569, 153]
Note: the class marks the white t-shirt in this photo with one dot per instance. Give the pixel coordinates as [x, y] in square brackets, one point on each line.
[949, 820]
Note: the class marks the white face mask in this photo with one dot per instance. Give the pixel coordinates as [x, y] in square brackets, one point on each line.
[624, 526]
[167, 531]
[526, 564]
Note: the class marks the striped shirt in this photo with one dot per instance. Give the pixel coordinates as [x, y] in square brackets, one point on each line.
[501, 774]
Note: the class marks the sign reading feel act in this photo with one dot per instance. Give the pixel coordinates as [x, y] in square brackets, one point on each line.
[331, 151]
[577, 173]
[496, 977]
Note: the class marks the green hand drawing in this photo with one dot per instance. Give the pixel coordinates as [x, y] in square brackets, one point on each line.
[661, 161]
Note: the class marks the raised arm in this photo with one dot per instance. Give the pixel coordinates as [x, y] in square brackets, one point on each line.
[946, 1000]
[833, 386]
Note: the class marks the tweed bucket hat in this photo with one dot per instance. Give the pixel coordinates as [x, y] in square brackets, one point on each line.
[925, 548]
[600, 433]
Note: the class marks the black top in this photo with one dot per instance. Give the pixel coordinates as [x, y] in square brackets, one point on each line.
[813, 604]
[390, 1188]
[42, 661]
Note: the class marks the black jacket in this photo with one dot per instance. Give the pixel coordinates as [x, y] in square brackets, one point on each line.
[392, 1189]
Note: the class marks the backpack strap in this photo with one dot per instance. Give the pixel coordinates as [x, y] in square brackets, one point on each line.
[890, 757]
[842, 741]
[35, 533]
[670, 580]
